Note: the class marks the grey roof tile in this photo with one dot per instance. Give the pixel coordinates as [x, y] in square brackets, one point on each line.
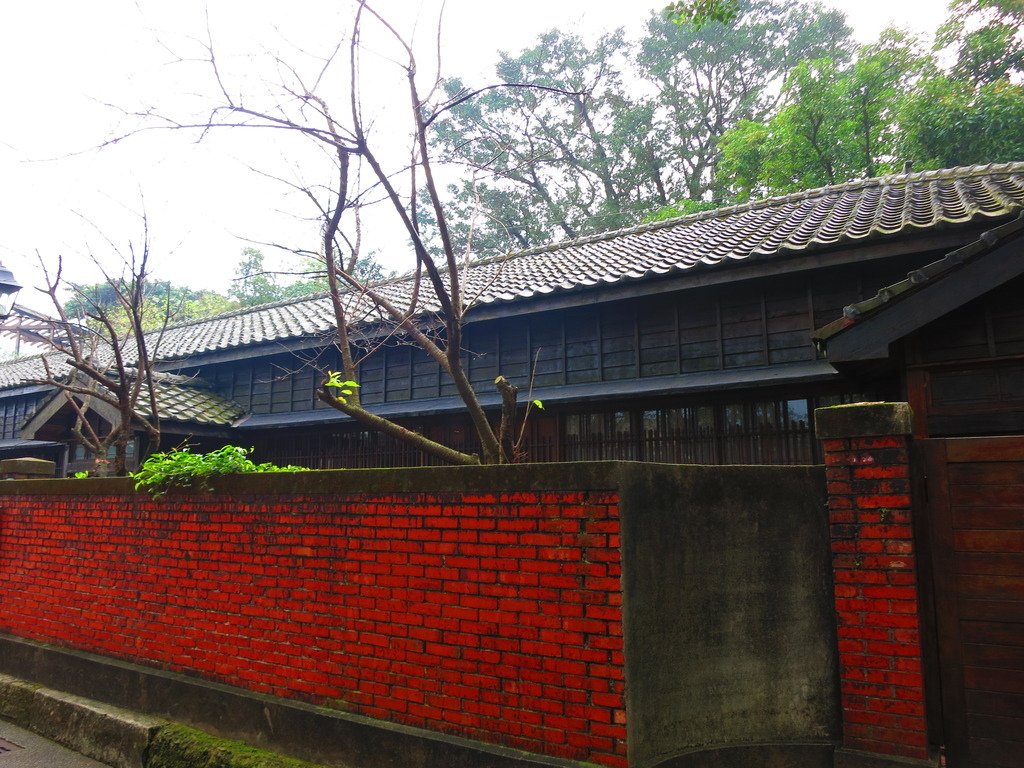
[182, 398]
[25, 370]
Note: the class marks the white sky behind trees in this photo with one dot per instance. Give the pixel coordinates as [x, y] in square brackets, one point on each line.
[65, 62]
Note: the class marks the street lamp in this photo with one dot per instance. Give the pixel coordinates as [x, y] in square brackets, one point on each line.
[9, 288]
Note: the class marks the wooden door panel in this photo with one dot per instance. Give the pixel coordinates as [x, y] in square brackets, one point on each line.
[981, 679]
[989, 610]
[994, 753]
[997, 588]
[985, 449]
[975, 525]
[1000, 633]
[995, 703]
[1008, 542]
[995, 656]
[1006, 564]
[986, 495]
[988, 518]
[996, 727]
[986, 474]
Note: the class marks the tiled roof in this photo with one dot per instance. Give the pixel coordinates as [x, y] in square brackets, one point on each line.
[24, 370]
[181, 398]
[808, 221]
[185, 399]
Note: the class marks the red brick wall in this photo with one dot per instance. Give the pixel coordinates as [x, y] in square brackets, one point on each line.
[496, 617]
[876, 595]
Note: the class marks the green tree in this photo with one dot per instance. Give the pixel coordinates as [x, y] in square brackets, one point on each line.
[162, 303]
[985, 37]
[837, 122]
[589, 153]
[972, 112]
[946, 123]
[708, 79]
[701, 12]
[254, 284]
[682, 208]
[571, 157]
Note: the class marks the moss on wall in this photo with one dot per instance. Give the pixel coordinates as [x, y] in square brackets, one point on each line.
[178, 746]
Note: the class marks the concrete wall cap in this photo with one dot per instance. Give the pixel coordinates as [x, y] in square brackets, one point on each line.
[27, 466]
[863, 420]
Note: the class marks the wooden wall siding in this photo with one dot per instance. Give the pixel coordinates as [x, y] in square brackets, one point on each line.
[972, 366]
[279, 384]
[738, 326]
[991, 385]
[620, 341]
[991, 327]
[15, 411]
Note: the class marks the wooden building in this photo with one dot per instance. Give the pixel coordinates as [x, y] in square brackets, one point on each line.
[690, 340]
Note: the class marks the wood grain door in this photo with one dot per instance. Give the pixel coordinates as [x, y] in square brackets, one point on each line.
[975, 521]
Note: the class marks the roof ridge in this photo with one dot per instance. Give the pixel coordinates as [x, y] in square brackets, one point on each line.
[317, 295]
[227, 331]
[959, 172]
[966, 171]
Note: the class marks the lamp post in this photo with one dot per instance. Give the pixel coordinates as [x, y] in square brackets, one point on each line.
[9, 288]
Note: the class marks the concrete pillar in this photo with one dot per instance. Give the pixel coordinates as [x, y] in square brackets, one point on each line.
[874, 566]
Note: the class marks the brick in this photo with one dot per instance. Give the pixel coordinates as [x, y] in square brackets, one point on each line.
[881, 500]
[876, 598]
[873, 443]
[880, 472]
[412, 608]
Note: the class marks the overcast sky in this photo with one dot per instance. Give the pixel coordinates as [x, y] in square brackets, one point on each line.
[64, 62]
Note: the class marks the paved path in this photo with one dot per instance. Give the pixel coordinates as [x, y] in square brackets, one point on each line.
[23, 749]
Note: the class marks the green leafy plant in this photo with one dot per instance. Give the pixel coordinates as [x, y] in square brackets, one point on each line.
[701, 12]
[345, 388]
[180, 468]
[81, 475]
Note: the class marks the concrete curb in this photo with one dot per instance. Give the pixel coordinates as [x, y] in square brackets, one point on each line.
[121, 738]
[109, 734]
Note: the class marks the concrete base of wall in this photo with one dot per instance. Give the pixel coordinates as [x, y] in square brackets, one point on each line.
[759, 755]
[292, 728]
[851, 758]
[111, 735]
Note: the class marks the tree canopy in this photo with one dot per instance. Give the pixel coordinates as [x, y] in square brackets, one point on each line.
[892, 104]
[720, 101]
[620, 129]
[162, 303]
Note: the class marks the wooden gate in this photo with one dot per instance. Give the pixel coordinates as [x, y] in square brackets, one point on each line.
[974, 520]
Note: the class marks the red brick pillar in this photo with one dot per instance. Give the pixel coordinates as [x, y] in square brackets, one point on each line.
[874, 566]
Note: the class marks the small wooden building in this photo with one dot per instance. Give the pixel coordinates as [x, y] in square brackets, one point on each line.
[688, 340]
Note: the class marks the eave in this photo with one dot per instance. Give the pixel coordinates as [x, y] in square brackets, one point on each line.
[789, 374]
[868, 328]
